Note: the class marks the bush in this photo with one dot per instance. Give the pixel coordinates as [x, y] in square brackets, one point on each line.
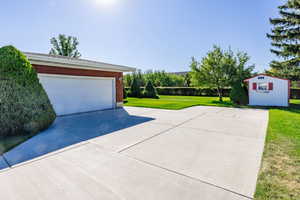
[24, 105]
[150, 91]
[238, 94]
[135, 89]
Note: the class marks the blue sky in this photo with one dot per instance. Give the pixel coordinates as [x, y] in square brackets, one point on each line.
[147, 34]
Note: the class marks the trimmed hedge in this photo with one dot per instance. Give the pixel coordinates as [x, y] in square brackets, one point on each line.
[295, 93]
[24, 105]
[193, 91]
[188, 91]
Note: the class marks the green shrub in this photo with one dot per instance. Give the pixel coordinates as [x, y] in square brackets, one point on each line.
[135, 89]
[150, 91]
[24, 105]
[238, 94]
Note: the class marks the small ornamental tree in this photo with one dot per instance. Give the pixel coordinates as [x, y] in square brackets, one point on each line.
[135, 89]
[238, 94]
[24, 105]
[214, 70]
[150, 91]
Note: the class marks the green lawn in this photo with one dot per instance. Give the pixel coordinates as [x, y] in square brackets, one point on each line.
[279, 177]
[177, 102]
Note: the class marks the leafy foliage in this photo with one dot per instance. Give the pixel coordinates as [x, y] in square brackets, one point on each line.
[286, 41]
[240, 70]
[158, 79]
[65, 46]
[24, 105]
[220, 69]
[187, 80]
[150, 91]
[238, 94]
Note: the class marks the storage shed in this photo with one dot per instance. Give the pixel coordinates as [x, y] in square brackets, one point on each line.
[265, 90]
[77, 85]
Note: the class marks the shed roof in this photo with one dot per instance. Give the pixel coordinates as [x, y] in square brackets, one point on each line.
[64, 61]
[246, 80]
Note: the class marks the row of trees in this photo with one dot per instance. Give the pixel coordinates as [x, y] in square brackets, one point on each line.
[219, 69]
[136, 90]
[158, 79]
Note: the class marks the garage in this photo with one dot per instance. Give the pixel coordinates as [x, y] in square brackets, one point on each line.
[78, 85]
[77, 94]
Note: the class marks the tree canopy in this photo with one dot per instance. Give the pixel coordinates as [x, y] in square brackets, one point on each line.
[158, 79]
[285, 36]
[65, 46]
[220, 69]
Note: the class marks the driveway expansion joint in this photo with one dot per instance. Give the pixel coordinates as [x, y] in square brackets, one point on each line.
[187, 176]
[5, 160]
[48, 155]
[160, 133]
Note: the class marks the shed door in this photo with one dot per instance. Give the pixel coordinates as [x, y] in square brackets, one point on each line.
[75, 94]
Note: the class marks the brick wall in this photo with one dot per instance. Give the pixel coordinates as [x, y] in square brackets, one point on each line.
[85, 72]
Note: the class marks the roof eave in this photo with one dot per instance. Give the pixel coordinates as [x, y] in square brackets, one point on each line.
[73, 63]
[247, 80]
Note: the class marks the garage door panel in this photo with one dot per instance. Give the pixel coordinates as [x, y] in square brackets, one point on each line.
[71, 94]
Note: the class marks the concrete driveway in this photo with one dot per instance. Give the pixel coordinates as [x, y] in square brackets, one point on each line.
[206, 153]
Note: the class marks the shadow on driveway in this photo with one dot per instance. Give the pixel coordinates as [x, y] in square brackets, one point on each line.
[69, 130]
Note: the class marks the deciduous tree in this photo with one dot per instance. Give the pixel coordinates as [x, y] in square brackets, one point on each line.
[214, 70]
[65, 46]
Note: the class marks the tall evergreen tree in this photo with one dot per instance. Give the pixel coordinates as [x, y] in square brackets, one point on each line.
[285, 38]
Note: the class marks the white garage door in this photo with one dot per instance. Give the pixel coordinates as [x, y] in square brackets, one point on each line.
[75, 94]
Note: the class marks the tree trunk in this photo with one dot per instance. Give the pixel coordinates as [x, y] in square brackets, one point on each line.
[220, 94]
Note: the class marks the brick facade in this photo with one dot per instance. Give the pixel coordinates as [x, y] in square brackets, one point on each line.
[85, 72]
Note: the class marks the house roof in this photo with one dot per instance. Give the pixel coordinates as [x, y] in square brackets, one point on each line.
[64, 61]
[246, 80]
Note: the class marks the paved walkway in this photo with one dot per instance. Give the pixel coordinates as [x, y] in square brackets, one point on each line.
[206, 153]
